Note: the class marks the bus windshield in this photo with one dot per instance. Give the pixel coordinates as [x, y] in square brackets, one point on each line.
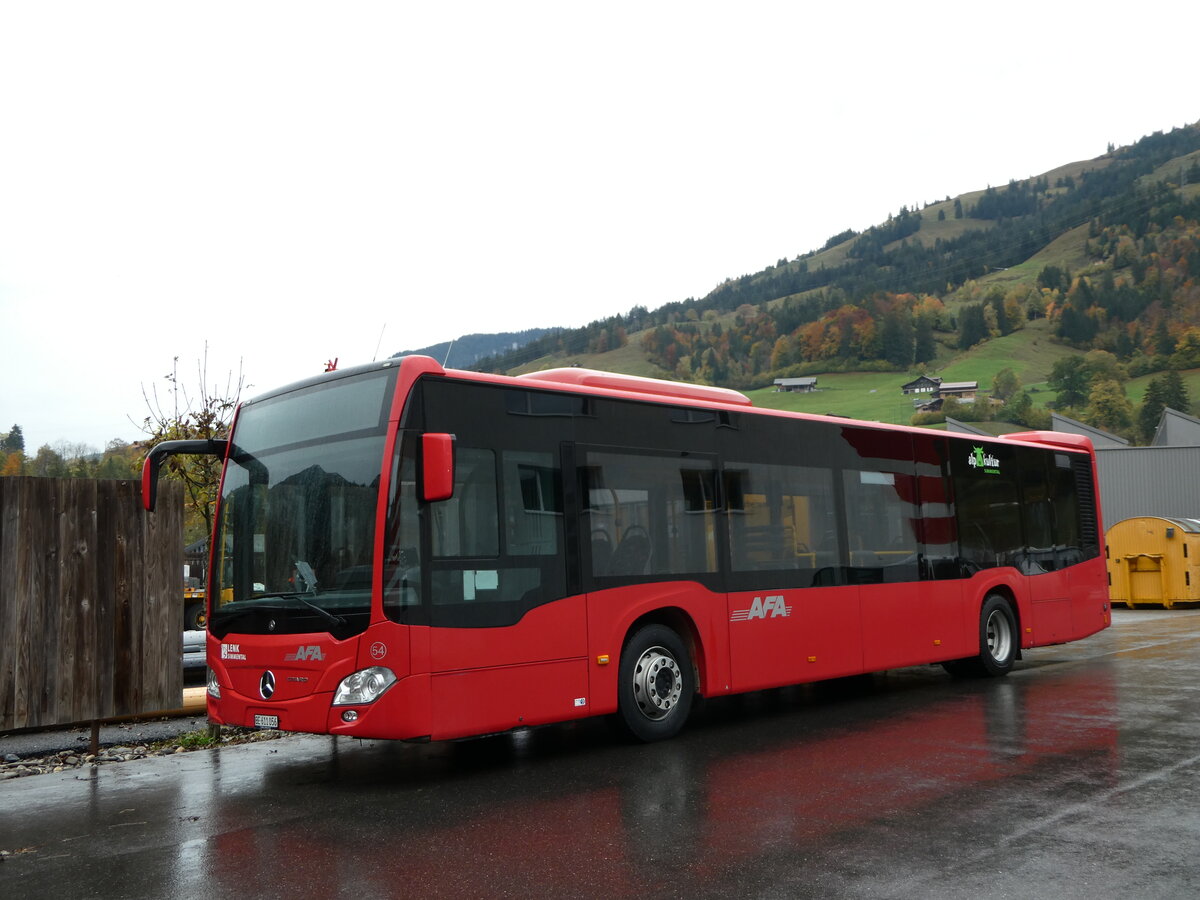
[296, 525]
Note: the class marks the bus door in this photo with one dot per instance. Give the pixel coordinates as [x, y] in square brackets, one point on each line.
[506, 647]
[901, 548]
[791, 616]
[648, 535]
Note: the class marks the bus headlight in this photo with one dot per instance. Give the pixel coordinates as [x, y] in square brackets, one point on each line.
[364, 686]
[214, 687]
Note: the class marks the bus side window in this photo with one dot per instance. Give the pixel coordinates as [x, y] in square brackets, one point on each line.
[987, 505]
[467, 525]
[1037, 515]
[532, 504]
[1064, 489]
[650, 514]
[881, 521]
[781, 518]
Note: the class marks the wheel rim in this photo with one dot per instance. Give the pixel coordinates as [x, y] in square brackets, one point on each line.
[999, 636]
[657, 683]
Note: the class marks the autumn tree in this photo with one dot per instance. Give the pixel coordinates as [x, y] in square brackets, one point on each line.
[48, 463]
[1017, 407]
[1005, 384]
[1187, 350]
[1108, 407]
[203, 413]
[1102, 364]
[1070, 378]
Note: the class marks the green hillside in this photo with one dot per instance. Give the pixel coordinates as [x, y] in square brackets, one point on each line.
[1095, 255]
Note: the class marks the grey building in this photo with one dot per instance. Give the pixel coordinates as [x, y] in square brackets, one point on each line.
[1148, 481]
[1100, 437]
[1176, 429]
[1160, 480]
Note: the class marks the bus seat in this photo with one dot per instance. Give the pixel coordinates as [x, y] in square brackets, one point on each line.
[631, 555]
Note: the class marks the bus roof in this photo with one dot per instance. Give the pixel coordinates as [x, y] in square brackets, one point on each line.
[637, 384]
[634, 386]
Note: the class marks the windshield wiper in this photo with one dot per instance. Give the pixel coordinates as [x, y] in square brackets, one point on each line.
[325, 614]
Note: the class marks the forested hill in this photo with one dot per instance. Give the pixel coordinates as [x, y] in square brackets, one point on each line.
[466, 351]
[1106, 251]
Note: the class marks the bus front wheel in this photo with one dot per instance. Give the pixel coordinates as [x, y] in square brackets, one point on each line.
[656, 685]
[997, 642]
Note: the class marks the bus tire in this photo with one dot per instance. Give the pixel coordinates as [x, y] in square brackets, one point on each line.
[656, 684]
[997, 642]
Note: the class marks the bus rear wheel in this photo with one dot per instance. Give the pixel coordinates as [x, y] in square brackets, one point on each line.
[656, 684]
[997, 642]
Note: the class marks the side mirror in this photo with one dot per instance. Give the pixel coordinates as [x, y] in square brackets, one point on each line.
[437, 467]
[160, 452]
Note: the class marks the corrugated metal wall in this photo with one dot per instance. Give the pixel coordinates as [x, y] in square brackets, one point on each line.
[1148, 481]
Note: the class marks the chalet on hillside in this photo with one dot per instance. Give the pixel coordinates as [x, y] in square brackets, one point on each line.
[922, 385]
[796, 385]
[937, 391]
[963, 390]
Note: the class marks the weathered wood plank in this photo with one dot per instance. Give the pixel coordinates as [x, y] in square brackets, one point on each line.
[109, 549]
[9, 586]
[90, 600]
[162, 674]
[40, 592]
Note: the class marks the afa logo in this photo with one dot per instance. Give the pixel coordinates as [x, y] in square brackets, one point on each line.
[312, 652]
[762, 608]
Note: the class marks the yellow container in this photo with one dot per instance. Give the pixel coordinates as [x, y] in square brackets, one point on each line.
[1154, 561]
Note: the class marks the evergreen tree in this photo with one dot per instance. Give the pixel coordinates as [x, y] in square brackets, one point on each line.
[972, 326]
[1151, 410]
[1124, 345]
[1167, 391]
[997, 303]
[1175, 394]
[926, 347]
[896, 338]
[14, 440]
[1164, 344]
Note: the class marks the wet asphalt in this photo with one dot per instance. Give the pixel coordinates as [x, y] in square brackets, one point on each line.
[1076, 776]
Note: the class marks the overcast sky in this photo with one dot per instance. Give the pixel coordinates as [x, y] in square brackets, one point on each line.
[292, 182]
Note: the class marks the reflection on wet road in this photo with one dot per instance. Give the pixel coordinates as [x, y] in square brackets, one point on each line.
[1075, 776]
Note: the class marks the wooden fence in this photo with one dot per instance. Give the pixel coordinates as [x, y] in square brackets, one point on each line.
[90, 590]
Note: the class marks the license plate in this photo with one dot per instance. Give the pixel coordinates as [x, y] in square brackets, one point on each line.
[266, 721]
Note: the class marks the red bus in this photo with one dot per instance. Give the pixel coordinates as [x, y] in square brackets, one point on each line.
[404, 551]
